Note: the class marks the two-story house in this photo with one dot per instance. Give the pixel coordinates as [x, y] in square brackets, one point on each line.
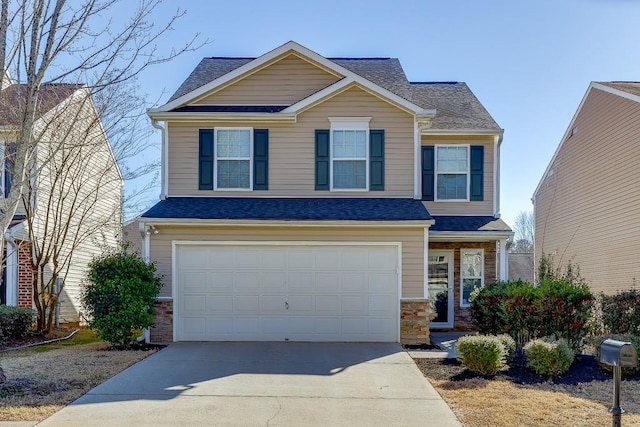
[71, 208]
[586, 203]
[321, 199]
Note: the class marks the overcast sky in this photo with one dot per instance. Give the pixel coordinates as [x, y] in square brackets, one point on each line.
[529, 62]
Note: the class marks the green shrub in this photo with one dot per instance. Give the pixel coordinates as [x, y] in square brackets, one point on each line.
[15, 322]
[556, 307]
[621, 312]
[549, 356]
[119, 295]
[482, 354]
[509, 345]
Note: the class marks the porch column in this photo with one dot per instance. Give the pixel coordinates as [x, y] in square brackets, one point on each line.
[504, 266]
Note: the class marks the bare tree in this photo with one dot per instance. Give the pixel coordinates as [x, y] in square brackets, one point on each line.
[523, 233]
[44, 43]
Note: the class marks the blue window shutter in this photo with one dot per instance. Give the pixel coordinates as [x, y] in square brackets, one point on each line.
[261, 159]
[376, 160]
[476, 192]
[322, 159]
[205, 160]
[428, 172]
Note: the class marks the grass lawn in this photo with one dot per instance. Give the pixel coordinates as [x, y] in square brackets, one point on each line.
[42, 380]
[517, 397]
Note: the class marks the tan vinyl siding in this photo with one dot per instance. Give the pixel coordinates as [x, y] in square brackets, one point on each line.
[285, 82]
[484, 207]
[91, 212]
[292, 150]
[586, 209]
[412, 245]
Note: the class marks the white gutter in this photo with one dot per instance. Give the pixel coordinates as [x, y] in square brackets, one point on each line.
[280, 223]
[163, 159]
[12, 271]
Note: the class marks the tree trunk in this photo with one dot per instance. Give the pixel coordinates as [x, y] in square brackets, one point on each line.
[2, 377]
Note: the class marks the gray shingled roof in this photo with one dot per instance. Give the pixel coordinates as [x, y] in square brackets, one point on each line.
[468, 223]
[629, 87]
[521, 266]
[456, 106]
[290, 209]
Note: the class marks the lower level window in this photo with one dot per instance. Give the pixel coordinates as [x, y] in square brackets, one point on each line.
[471, 273]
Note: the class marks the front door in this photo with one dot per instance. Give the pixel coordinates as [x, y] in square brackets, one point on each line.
[440, 288]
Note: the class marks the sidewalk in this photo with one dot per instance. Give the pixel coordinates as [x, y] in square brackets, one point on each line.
[447, 343]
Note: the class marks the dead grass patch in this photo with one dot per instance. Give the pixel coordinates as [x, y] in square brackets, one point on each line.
[41, 381]
[503, 402]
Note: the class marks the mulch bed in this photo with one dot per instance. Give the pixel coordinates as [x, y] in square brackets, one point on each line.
[34, 338]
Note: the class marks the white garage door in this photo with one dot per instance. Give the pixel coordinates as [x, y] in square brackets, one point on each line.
[286, 292]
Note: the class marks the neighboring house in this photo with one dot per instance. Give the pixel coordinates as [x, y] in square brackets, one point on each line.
[75, 198]
[321, 199]
[587, 203]
[521, 266]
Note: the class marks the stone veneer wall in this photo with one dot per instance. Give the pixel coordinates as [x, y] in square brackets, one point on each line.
[462, 315]
[25, 275]
[162, 331]
[414, 321]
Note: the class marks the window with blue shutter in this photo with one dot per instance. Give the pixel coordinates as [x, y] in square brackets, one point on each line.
[322, 159]
[205, 160]
[428, 172]
[261, 159]
[376, 160]
[476, 187]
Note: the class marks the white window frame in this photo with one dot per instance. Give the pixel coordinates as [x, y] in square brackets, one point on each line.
[216, 158]
[353, 124]
[463, 276]
[436, 173]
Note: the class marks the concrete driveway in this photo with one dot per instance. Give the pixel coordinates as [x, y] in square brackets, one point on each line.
[264, 384]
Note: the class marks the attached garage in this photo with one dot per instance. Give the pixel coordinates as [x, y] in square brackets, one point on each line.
[277, 291]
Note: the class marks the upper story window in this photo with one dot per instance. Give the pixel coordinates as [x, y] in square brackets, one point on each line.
[452, 172]
[350, 153]
[233, 153]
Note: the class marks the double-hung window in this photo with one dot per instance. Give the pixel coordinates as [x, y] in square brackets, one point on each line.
[350, 153]
[452, 172]
[233, 154]
[471, 273]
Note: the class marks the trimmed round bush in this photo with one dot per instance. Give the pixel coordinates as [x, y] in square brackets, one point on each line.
[550, 357]
[509, 346]
[482, 354]
[119, 295]
[15, 322]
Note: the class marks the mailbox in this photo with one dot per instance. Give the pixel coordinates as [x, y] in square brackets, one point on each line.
[618, 353]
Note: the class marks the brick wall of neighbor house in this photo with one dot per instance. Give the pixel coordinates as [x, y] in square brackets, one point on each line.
[414, 321]
[25, 275]
[162, 331]
[462, 315]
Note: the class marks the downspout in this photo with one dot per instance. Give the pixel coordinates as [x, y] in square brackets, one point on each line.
[163, 159]
[11, 270]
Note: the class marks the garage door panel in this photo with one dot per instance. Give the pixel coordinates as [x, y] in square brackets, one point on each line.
[194, 304]
[249, 304]
[355, 282]
[194, 281]
[328, 281]
[217, 304]
[274, 281]
[333, 292]
[246, 281]
[301, 259]
[272, 304]
[300, 280]
[382, 282]
[328, 305]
